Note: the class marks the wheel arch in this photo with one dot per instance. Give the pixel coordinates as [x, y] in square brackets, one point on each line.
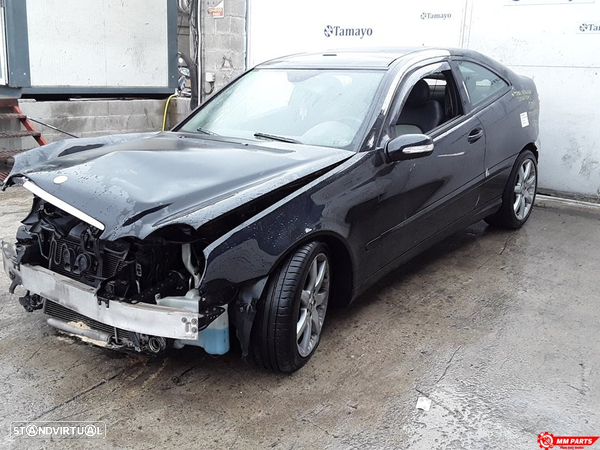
[342, 264]
[342, 270]
[531, 146]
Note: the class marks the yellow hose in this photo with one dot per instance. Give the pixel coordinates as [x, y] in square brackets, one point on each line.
[166, 111]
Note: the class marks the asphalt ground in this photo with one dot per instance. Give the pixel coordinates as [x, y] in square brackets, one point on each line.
[499, 329]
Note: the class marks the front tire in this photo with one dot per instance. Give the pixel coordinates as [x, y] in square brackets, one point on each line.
[290, 315]
[519, 194]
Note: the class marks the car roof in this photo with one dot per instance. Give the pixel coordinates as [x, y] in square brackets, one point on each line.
[371, 57]
[374, 57]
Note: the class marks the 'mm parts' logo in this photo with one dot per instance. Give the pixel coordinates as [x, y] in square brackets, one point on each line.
[426, 16]
[336, 30]
[548, 441]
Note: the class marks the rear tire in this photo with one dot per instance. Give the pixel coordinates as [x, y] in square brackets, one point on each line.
[519, 194]
[290, 315]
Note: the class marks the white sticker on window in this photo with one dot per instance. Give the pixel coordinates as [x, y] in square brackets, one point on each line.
[524, 120]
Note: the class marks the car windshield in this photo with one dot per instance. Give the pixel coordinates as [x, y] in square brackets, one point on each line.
[316, 107]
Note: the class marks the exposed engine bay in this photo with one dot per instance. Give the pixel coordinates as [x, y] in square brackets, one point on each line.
[156, 271]
[123, 270]
[126, 263]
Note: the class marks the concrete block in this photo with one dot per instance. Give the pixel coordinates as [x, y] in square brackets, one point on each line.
[210, 25]
[56, 137]
[212, 60]
[218, 42]
[108, 124]
[235, 8]
[223, 26]
[141, 106]
[94, 134]
[37, 110]
[98, 118]
[178, 110]
[238, 60]
[79, 108]
[238, 26]
[180, 105]
[226, 62]
[143, 123]
[237, 43]
[26, 143]
[224, 78]
[111, 123]
[74, 125]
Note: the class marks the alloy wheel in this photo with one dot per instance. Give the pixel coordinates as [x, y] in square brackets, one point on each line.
[525, 186]
[313, 305]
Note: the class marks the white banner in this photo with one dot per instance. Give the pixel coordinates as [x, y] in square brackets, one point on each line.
[278, 28]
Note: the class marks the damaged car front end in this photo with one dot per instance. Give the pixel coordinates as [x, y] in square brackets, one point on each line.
[128, 293]
[129, 275]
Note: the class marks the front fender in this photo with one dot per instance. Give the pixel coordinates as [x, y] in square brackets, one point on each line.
[253, 251]
[254, 248]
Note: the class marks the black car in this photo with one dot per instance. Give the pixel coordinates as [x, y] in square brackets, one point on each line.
[296, 187]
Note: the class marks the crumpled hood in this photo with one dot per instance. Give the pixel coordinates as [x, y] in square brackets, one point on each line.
[135, 184]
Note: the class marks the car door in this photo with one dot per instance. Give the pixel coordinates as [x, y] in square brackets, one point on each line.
[489, 99]
[422, 197]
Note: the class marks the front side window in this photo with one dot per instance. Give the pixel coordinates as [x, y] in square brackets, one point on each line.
[481, 83]
[432, 101]
[316, 107]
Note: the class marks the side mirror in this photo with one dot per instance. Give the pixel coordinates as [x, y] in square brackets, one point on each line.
[409, 146]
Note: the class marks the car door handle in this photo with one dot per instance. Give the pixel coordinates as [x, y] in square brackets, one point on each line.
[475, 135]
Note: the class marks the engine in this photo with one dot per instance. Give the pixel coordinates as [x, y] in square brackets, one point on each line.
[163, 269]
[125, 270]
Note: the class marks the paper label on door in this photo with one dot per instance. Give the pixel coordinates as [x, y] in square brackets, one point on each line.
[524, 120]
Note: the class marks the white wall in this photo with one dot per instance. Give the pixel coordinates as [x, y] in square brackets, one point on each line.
[556, 42]
[98, 43]
[279, 28]
[550, 42]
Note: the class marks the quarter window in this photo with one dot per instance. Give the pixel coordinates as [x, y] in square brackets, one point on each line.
[480, 82]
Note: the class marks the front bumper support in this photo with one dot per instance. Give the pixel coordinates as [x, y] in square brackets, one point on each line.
[9, 261]
[152, 320]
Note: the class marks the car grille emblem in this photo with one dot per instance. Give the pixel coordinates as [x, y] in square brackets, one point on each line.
[60, 179]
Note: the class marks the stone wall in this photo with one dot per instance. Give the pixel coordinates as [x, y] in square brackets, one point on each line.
[224, 42]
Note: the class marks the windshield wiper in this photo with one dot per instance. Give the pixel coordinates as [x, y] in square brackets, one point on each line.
[205, 131]
[274, 137]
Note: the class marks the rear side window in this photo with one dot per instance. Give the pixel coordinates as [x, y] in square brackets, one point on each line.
[480, 82]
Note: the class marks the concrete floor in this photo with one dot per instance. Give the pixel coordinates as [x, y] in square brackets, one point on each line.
[500, 329]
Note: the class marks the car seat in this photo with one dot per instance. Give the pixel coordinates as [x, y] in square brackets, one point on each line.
[420, 115]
